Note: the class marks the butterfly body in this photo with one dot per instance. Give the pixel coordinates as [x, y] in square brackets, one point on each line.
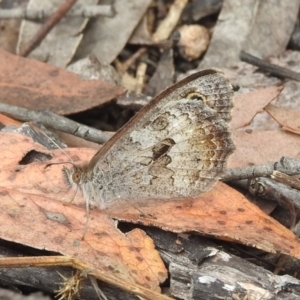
[175, 147]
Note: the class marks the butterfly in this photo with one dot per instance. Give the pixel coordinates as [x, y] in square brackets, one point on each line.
[175, 147]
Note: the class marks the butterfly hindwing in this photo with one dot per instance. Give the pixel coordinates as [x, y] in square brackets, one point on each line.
[174, 148]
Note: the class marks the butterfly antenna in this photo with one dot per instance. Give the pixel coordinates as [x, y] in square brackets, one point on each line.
[50, 139]
[70, 162]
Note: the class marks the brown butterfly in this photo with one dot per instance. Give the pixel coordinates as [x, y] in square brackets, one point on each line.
[175, 147]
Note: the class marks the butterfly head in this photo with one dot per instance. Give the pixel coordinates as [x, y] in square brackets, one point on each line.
[81, 177]
[75, 176]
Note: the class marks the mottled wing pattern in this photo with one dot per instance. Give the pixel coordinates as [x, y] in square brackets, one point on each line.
[175, 147]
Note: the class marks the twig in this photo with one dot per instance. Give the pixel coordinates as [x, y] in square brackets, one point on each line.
[166, 27]
[140, 77]
[284, 195]
[127, 63]
[286, 179]
[287, 165]
[47, 26]
[267, 188]
[266, 66]
[84, 11]
[97, 289]
[54, 121]
[54, 261]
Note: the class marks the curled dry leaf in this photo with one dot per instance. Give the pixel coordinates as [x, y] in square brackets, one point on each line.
[33, 213]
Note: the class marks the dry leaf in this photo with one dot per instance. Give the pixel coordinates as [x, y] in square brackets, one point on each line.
[34, 215]
[106, 37]
[221, 212]
[247, 105]
[254, 147]
[261, 147]
[259, 27]
[59, 46]
[36, 85]
[287, 118]
[7, 121]
[271, 26]
[163, 76]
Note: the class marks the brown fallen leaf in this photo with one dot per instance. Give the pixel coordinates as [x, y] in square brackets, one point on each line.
[247, 105]
[108, 46]
[277, 21]
[50, 47]
[7, 121]
[287, 118]
[221, 212]
[35, 215]
[261, 147]
[37, 222]
[35, 85]
[254, 147]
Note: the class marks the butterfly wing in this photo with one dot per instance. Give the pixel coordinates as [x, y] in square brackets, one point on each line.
[176, 146]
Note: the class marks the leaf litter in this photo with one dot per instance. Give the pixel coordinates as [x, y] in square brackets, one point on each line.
[34, 193]
[35, 213]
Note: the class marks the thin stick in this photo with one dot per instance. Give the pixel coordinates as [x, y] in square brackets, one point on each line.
[166, 27]
[84, 11]
[67, 261]
[127, 63]
[54, 121]
[266, 66]
[47, 26]
[140, 77]
[99, 292]
[287, 165]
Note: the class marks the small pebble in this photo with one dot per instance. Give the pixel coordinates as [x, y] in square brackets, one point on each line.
[193, 42]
